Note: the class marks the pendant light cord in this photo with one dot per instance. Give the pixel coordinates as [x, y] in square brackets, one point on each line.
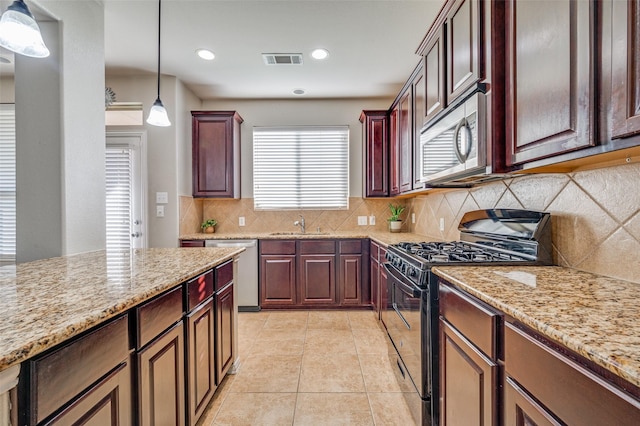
[159, 21]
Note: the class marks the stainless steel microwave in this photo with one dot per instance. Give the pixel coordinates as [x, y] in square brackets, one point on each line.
[452, 150]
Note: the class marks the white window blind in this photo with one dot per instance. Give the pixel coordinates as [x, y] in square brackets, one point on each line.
[301, 167]
[119, 176]
[7, 184]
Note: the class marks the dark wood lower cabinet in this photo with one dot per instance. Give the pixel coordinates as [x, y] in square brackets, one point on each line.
[108, 402]
[316, 279]
[522, 410]
[350, 281]
[201, 369]
[161, 380]
[277, 280]
[225, 352]
[468, 381]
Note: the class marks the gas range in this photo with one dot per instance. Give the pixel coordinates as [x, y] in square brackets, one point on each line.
[497, 236]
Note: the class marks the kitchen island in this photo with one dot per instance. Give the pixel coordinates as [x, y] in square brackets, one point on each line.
[51, 301]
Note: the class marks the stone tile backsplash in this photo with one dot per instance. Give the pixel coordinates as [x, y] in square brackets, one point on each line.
[595, 215]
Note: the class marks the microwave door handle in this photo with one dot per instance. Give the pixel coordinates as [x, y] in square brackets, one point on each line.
[463, 124]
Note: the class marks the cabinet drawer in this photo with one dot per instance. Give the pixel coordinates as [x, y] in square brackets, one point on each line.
[277, 247]
[157, 315]
[350, 247]
[199, 289]
[62, 374]
[573, 393]
[475, 320]
[192, 243]
[318, 247]
[224, 275]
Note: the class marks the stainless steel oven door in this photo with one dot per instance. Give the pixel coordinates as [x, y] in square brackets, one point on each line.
[455, 144]
[405, 325]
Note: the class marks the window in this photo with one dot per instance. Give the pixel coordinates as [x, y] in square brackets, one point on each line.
[301, 167]
[7, 184]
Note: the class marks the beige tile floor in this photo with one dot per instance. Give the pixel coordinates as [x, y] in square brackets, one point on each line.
[313, 368]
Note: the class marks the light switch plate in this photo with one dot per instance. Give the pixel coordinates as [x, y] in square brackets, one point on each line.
[372, 220]
[413, 218]
[442, 223]
[162, 198]
[159, 211]
[362, 220]
[241, 221]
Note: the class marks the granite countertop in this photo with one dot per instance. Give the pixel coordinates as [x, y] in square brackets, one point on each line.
[384, 238]
[593, 315]
[46, 302]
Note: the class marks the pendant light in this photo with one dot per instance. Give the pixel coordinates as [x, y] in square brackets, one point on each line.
[158, 114]
[20, 33]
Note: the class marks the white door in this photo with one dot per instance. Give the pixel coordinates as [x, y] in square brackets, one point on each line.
[126, 189]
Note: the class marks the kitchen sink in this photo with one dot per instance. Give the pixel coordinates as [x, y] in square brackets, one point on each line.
[299, 233]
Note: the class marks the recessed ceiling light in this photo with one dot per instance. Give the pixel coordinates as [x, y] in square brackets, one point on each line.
[298, 91]
[320, 54]
[206, 54]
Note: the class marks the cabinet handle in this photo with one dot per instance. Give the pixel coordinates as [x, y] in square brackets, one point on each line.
[462, 156]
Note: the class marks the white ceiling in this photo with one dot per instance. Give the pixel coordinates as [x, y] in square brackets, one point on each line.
[372, 44]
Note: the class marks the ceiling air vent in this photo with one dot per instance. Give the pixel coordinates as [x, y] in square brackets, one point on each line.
[282, 58]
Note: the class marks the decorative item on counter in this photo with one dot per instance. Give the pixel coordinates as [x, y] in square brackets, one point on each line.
[395, 223]
[208, 226]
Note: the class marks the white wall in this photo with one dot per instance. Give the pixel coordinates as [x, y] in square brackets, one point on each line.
[60, 136]
[300, 112]
[168, 148]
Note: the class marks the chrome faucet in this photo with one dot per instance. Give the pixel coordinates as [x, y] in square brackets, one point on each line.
[300, 223]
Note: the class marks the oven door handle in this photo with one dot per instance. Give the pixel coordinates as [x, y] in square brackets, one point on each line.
[405, 285]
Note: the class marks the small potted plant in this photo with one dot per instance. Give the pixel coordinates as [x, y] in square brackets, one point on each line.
[395, 224]
[208, 226]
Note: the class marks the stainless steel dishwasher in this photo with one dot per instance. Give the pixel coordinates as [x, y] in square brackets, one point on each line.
[247, 279]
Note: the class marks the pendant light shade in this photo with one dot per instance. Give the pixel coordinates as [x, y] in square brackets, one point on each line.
[158, 114]
[20, 33]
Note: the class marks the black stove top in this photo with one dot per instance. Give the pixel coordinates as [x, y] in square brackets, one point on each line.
[498, 236]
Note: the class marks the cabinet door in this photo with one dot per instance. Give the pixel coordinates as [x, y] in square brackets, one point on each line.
[468, 381]
[549, 78]
[201, 378]
[216, 154]
[350, 279]
[405, 149]
[277, 280]
[316, 279]
[463, 41]
[161, 380]
[434, 100]
[108, 402]
[418, 120]
[522, 410]
[375, 285]
[376, 151]
[394, 152]
[384, 291]
[625, 68]
[225, 352]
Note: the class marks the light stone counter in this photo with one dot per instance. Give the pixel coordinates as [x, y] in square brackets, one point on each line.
[595, 316]
[48, 301]
[384, 238]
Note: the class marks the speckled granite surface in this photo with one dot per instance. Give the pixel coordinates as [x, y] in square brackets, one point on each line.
[596, 316]
[48, 301]
[384, 238]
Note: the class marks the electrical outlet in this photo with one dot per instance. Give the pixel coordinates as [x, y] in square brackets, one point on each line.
[442, 223]
[372, 220]
[159, 211]
[413, 218]
[362, 220]
[162, 198]
[241, 221]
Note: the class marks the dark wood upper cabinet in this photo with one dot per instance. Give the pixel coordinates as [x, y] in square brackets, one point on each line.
[463, 45]
[625, 68]
[418, 88]
[434, 100]
[394, 172]
[549, 78]
[216, 154]
[376, 153]
[405, 140]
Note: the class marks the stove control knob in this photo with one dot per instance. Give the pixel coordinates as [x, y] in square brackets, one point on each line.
[412, 272]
